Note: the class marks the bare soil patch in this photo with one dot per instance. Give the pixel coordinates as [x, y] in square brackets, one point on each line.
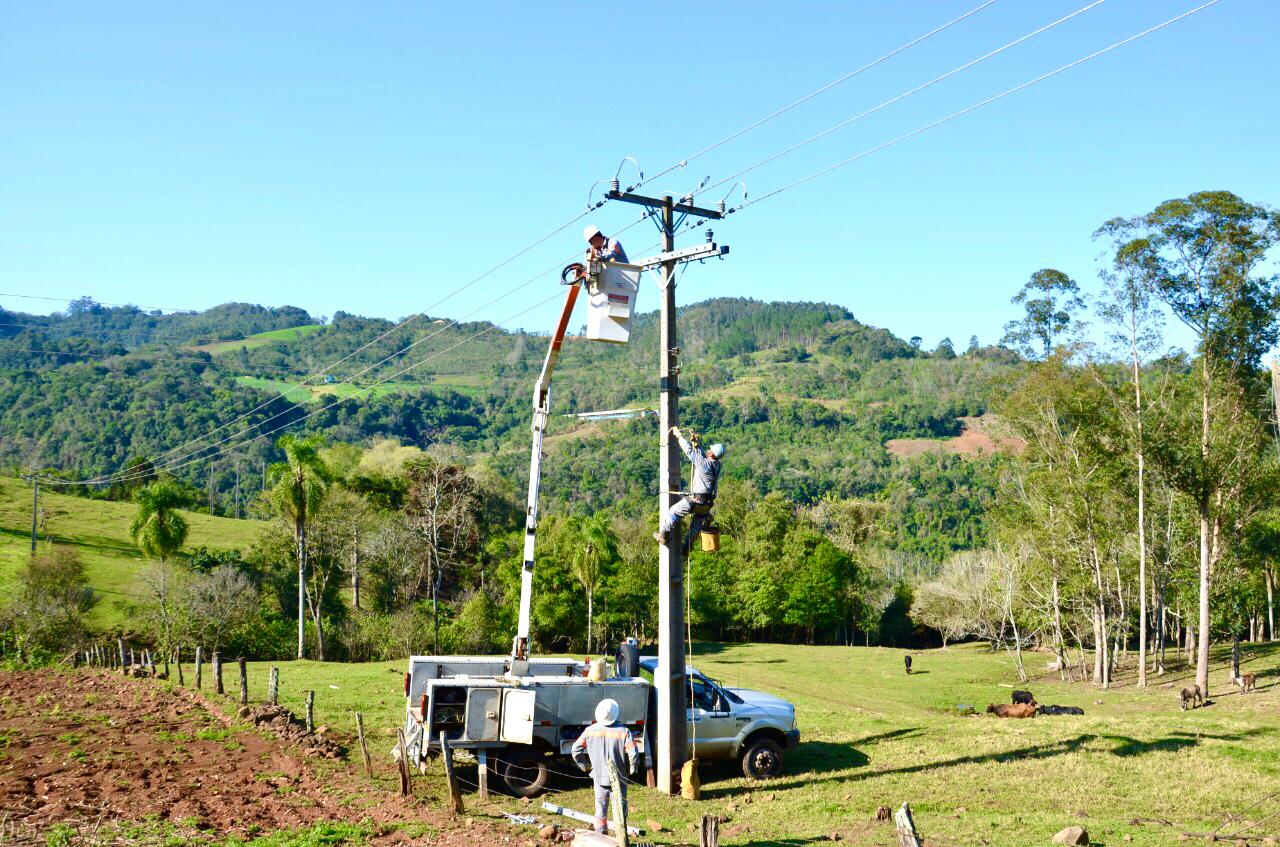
[94, 747]
[982, 436]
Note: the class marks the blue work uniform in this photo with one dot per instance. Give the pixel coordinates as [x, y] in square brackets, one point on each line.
[702, 492]
[597, 747]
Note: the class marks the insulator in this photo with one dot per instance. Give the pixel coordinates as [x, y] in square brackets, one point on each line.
[614, 185]
[711, 236]
[720, 205]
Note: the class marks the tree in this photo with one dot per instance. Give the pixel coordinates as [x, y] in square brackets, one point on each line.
[973, 347]
[49, 603]
[595, 554]
[441, 508]
[1050, 298]
[300, 483]
[945, 349]
[158, 528]
[1199, 254]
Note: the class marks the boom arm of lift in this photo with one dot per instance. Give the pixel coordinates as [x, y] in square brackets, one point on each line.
[541, 411]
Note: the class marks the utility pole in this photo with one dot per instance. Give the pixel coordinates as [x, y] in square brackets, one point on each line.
[35, 507]
[237, 487]
[672, 730]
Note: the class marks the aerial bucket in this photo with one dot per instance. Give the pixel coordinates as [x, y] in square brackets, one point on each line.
[612, 299]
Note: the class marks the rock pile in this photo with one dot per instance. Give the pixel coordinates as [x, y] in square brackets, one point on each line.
[288, 727]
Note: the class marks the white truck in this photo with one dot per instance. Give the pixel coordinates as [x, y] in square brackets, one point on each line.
[522, 725]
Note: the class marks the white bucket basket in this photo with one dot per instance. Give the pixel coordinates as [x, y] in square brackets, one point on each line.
[612, 300]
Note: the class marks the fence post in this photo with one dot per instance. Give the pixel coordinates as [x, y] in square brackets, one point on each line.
[364, 747]
[164, 657]
[311, 711]
[217, 673]
[177, 658]
[446, 755]
[244, 682]
[482, 755]
[710, 834]
[199, 667]
[273, 688]
[405, 788]
[618, 810]
[120, 644]
[907, 835]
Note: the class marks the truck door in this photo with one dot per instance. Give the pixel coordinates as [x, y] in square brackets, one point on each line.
[711, 724]
[517, 716]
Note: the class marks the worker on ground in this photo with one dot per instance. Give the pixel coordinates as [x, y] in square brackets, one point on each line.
[702, 493]
[603, 249]
[604, 742]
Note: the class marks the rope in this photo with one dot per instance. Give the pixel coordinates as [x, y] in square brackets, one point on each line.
[901, 97]
[868, 66]
[975, 106]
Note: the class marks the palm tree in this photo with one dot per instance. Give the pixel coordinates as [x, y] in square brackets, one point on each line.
[300, 484]
[596, 549]
[159, 529]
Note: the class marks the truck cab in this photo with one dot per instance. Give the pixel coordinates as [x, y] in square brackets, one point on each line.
[736, 723]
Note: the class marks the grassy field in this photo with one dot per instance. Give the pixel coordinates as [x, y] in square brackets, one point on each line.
[261, 339]
[99, 532]
[874, 736]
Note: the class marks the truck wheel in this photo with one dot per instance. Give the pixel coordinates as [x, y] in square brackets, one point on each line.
[762, 759]
[525, 772]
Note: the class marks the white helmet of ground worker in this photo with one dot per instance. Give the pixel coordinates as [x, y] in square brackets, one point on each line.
[717, 450]
[590, 232]
[606, 712]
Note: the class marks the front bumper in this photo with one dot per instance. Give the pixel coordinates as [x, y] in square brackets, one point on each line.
[793, 739]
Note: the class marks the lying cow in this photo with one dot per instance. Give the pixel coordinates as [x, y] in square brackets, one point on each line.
[1023, 697]
[1015, 710]
[1191, 695]
[1059, 710]
[1247, 682]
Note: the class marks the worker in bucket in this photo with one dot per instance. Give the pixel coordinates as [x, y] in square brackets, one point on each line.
[603, 249]
[607, 741]
[702, 493]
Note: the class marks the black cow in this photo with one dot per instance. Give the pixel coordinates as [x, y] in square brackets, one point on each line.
[906, 660]
[1020, 697]
[1060, 710]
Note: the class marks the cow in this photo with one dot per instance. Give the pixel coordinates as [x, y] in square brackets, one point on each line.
[1023, 697]
[1191, 695]
[1248, 682]
[1016, 710]
[1060, 710]
[906, 660]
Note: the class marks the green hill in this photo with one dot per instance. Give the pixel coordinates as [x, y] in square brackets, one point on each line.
[99, 532]
[259, 339]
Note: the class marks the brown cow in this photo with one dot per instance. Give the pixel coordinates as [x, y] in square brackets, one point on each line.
[1016, 710]
[1247, 682]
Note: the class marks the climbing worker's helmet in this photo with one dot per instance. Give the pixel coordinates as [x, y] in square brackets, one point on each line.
[590, 232]
[607, 712]
[717, 450]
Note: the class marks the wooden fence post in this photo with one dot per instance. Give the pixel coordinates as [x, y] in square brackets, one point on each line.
[244, 682]
[217, 673]
[710, 833]
[199, 667]
[364, 747]
[618, 810]
[446, 755]
[405, 788]
[907, 835]
[120, 644]
[273, 688]
[311, 711]
[164, 657]
[177, 658]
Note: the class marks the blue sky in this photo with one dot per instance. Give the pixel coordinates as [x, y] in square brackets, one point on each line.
[373, 157]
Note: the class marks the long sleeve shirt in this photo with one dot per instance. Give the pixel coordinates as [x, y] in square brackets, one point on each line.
[612, 251]
[600, 744]
[706, 471]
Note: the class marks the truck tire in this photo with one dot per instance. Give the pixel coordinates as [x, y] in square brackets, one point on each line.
[525, 771]
[762, 759]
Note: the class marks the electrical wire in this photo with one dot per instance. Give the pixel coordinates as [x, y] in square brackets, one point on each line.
[4, 350]
[903, 96]
[972, 108]
[868, 66]
[120, 305]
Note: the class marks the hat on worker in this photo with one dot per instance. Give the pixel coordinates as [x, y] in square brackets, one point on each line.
[717, 450]
[591, 232]
[607, 712]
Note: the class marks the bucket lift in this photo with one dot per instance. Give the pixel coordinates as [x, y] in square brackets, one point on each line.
[612, 288]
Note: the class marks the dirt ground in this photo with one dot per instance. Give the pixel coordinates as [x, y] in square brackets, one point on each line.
[981, 436]
[94, 750]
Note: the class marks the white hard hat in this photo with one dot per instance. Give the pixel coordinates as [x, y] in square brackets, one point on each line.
[717, 450]
[606, 712]
[591, 232]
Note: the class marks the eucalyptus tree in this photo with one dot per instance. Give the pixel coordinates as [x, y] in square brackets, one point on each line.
[1050, 300]
[300, 484]
[1201, 255]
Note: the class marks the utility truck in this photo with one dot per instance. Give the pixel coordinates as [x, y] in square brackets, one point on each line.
[520, 714]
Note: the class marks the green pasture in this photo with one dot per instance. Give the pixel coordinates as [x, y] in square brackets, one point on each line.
[261, 339]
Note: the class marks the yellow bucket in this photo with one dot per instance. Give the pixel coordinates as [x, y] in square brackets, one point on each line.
[710, 540]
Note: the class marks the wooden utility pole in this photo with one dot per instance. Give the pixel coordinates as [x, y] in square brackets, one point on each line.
[672, 729]
[35, 507]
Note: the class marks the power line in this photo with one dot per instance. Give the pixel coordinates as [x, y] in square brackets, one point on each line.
[99, 303]
[868, 66]
[973, 108]
[4, 350]
[900, 97]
